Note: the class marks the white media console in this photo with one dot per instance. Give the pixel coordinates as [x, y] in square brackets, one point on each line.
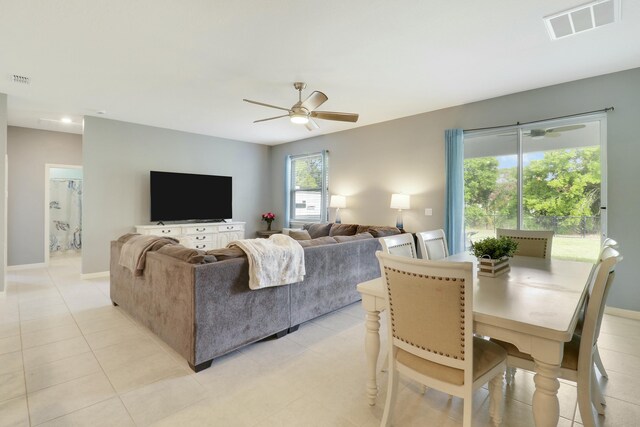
[202, 236]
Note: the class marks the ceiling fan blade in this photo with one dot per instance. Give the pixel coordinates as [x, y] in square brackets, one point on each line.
[314, 100]
[332, 115]
[565, 128]
[271, 118]
[265, 105]
[311, 125]
[552, 134]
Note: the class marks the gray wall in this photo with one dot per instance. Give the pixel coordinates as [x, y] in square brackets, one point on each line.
[407, 155]
[3, 204]
[29, 150]
[117, 158]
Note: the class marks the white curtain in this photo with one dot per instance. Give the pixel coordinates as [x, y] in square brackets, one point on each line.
[65, 214]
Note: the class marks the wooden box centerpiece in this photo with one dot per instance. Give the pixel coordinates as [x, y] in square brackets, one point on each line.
[493, 255]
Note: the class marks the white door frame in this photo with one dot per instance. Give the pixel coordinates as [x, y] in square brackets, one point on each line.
[47, 199]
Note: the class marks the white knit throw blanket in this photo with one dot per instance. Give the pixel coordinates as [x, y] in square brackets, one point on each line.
[278, 260]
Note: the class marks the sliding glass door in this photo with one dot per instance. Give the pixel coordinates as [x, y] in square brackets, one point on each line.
[547, 176]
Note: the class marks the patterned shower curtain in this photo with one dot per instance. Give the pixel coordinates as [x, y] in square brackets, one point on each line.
[65, 214]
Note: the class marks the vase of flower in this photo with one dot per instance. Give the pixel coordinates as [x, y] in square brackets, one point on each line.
[493, 255]
[268, 218]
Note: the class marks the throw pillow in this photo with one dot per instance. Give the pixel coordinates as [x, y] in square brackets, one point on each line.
[382, 231]
[360, 236]
[343, 230]
[299, 234]
[326, 240]
[192, 256]
[318, 230]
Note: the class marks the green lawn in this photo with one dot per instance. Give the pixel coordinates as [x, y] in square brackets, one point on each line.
[564, 247]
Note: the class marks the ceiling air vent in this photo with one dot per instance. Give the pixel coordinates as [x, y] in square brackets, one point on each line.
[582, 18]
[23, 80]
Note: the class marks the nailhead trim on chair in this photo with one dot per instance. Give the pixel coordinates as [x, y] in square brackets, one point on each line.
[401, 245]
[462, 302]
[546, 241]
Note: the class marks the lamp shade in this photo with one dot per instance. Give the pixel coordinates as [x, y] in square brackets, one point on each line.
[400, 201]
[338, 201]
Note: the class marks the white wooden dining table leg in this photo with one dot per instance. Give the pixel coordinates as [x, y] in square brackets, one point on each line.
[546, 408]
[372, 350]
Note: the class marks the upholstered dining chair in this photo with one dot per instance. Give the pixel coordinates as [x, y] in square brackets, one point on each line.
[609, 243]
[577, 363]
[433, 244]
[430, 326]
[530, 243]
[597, 360]
[399, 244]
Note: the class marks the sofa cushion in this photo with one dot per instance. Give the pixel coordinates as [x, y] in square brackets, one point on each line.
[299, 234]
[192, 256]
[360, 236]
[227, 253]
[317, 230]
[382, 231]
[343, 229]
[319, 241]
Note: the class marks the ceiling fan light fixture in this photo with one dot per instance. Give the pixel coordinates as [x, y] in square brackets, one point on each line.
[299, 118]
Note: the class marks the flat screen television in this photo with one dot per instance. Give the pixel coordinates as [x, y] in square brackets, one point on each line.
[189, 197]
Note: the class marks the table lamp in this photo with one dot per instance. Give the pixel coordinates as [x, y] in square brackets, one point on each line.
[400, 202]
[338, 201]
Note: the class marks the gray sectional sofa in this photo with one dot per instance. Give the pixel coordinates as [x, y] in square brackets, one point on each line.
[206, 310]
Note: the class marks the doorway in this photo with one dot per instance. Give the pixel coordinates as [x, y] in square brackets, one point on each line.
[546, 176]
[63, 211]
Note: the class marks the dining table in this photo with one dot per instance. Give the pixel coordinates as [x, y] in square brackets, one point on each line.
[535, 306]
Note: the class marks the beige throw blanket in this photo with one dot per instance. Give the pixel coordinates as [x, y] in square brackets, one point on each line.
[278, 260]
[134, 251]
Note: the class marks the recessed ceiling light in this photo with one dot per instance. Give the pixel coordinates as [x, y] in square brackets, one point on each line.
[66, 120]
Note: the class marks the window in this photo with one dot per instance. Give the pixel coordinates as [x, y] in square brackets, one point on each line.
[307, 182]
[547, 176]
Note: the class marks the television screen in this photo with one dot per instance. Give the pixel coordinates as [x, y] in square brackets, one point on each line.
[186, 197]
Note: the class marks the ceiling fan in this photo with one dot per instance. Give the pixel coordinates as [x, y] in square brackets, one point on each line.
[548, 132]
[551, 132]
[303, 112]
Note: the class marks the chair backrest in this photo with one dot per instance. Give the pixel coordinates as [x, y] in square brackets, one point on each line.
[433, 244]
[609, 243]
[399, 244]
[603, 276]
[431, 309]
[530, 243]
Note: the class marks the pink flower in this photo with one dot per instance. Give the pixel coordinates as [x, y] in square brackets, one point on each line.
[268, 216]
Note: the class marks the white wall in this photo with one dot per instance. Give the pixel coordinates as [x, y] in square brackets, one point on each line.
[407, 155]
[29, 150]
[3, 202]
[117, 158]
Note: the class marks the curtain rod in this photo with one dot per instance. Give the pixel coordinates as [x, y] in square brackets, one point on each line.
[604, 110]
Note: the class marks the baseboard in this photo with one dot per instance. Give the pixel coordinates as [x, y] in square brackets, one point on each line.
[26, 266]
[620, 312]
[97, 275]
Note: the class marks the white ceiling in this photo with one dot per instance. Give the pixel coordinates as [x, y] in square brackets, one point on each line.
[187, 64]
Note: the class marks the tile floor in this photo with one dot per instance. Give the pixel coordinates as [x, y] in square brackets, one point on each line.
[68, 357]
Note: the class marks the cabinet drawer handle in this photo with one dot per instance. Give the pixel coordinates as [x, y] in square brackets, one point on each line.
[201, 237]
[201, 246]
[165, 231]
[229, 227]
[200, 229]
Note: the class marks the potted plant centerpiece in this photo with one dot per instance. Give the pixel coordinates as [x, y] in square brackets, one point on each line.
[493, 255]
